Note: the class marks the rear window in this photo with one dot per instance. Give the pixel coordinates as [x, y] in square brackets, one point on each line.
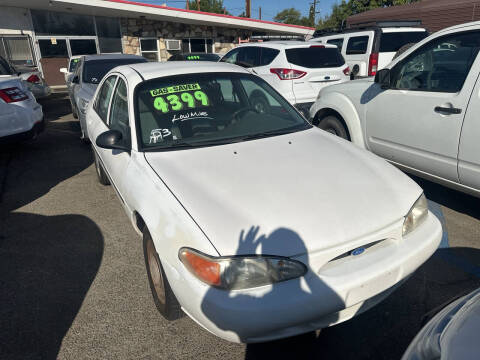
[94, 71]
[392, 42]
[315, 57]
[357, 45]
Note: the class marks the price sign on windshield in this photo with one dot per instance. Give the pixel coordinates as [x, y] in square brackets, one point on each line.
[179, 97]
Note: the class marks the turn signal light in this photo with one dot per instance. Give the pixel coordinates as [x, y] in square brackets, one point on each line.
[288, 74]
[13, 94]
[206, 270]
[33, 79]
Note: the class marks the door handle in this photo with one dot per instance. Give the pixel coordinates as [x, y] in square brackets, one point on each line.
[447, 110]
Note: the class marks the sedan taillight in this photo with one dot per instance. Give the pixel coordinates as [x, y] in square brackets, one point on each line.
[33, 79]
[288, 74]
[13, 94]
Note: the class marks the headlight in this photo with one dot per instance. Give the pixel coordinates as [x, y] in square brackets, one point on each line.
[83, 106]
[416, 215]
[240, 272]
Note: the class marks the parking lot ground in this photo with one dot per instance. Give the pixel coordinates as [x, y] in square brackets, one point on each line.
[73, 282]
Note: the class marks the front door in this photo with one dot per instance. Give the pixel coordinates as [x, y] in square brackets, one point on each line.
[56, 51]
[418, 121]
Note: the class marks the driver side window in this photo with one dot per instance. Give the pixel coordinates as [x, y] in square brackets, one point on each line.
[103, 98]
[442, 65]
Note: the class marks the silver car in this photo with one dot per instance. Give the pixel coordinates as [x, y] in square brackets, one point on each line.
[88, 74]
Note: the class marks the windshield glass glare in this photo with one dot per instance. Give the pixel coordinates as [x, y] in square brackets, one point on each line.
[209, 108]
[94, 71]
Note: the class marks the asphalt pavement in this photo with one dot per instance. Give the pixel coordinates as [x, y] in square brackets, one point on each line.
[73, 282]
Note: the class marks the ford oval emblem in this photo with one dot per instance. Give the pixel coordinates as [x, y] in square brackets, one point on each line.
[358, 251]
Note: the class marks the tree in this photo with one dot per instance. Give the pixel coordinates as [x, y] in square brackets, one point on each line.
[292, 16]
[211, 6]
[340, 12]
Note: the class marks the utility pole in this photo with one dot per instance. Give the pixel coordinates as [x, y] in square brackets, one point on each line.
[315, 2]
[260, 13]
[188, 6]
[198, 5]
[248, 8]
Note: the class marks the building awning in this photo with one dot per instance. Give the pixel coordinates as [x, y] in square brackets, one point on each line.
[132, 9]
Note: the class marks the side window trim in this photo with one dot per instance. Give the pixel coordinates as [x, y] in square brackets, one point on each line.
[111, 100]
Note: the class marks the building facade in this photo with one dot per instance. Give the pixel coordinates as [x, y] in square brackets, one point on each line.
[44, 34]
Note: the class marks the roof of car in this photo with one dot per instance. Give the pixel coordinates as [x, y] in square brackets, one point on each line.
[286, 44]
[111, 57]
[153, 70]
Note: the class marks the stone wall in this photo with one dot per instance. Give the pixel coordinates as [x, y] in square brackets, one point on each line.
[224, 39]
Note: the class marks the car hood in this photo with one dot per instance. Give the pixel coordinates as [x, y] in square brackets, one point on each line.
[309, 185]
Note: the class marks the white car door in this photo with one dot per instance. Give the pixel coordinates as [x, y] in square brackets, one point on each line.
[418, 120]
[469, 149]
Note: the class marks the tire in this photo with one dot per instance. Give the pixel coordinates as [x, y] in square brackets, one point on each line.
[163, 296]
[402, 50]
[101, 175]
[335, 126]
[74, 110]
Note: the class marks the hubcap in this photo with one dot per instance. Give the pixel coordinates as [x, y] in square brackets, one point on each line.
[155, 271]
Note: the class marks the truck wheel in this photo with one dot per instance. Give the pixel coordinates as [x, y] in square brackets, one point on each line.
[163, 296]
[101, 175]
[334, 126]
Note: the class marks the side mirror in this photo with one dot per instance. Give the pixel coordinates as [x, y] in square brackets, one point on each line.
[383, 78]
[63, 70]
[111, 139]
[76, 80]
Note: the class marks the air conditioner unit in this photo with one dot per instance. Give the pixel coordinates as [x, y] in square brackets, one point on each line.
[174, 44]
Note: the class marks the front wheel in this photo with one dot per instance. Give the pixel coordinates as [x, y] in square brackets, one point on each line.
[101, 175]
[163, 296]
[334, 125]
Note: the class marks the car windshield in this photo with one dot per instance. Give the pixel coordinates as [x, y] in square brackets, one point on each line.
[95, 70]
[210, 109]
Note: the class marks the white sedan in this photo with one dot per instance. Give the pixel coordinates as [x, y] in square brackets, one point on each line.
[257, 225]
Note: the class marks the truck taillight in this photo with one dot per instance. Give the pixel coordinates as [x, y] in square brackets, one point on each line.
[33, 79]
[288, 74]
[346, 71]
[13, 94]
[373, 64]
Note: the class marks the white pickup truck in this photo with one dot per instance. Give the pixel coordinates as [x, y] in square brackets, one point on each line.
[420, 112]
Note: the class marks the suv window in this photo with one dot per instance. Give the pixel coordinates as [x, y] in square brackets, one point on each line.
[103, 98]
[267, 56]
[337, 42]
[357, 45]
[315, 57]
[393, 41]
[441, 65]
[119, 110]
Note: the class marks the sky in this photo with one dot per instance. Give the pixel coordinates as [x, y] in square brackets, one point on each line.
[269, 7]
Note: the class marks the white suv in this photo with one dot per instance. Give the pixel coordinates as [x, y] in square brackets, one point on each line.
[368, 50]
[421, 113]
[297, 70]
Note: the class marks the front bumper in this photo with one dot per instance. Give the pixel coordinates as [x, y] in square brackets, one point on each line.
[323, 297]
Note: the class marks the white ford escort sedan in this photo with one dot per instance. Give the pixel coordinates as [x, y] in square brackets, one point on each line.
[256, 224]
